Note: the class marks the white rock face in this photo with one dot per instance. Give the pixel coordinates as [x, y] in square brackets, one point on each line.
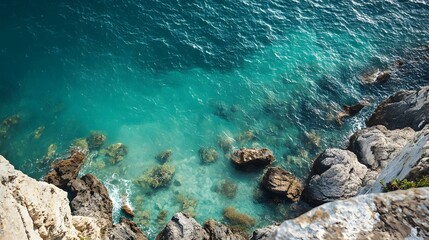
[405, 161]
[393, 215]
[30, 209]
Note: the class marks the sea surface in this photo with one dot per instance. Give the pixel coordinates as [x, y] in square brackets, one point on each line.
[181, 75]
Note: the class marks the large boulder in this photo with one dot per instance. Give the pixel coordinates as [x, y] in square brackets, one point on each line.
[336, 174]
[403, 109]
[282, 182]
[64, 171]
[252, 156]
[217, 231]
[376, 146]
[90, 198]
[264, 233]
[126, 230]
[393, 215]
[182, 226]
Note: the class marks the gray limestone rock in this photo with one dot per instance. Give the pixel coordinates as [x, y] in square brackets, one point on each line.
[403, 109]
[182, 226]
[337, 174]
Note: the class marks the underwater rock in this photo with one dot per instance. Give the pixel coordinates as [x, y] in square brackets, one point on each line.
[188, 204]
[38, 132]
[225, 143]
[7, 124]
[96, 140]
[312, 139]
[283, 183]
[127, 210]
[115, 152]
[223, 111]
[217, 231]
[156, 177]
[228, 188]
[349, 111]
[90, 198]
[161, 217]
[126, 230]
[236, 218]
[49, 156]
[403, 109]
[246, 136]
[164, 156]
[336, 174]
[80, 143]
[66, 170]
[252, 156]
[182, 226]
[208, 155]
[376, 77]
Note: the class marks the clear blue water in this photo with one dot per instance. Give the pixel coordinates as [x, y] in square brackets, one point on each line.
[176, 75]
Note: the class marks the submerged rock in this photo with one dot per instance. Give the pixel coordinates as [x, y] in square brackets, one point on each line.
[264, 233]
[283, 183]
[116, 152]
[156, 177]
[376, 77]
[164, 156]
[90, 198]
[66, 170]
[349, 111]
[38, 132]
[228, 188]
[80, 143]
[403, 109]
[337, 174]
[208, 155]
[182, 226]
[96, 140]
[393, 215]
[252, 156]
[236, 218]
[187, 204]
[225, 143]
[7, 124]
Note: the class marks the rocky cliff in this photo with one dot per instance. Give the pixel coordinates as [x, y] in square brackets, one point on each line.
[31, 209]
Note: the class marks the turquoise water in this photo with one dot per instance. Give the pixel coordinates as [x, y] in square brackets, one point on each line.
[178, 75]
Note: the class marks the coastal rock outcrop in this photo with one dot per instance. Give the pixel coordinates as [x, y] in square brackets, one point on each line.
[182, 226]
[64, 171]
[376, 146]
[337, 174]
[393, 215]
[126, 230]
[282, 182]
[252, 156]
[403, 109]
[376, 77]
[217, 231]
[90, 198]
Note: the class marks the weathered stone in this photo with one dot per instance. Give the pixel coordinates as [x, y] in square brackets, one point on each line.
[116, 152]
[337, 174]
[90, 198]
[252, 156]
[376, 77]
[403, 109]
[182, 226]
[376, 146]
[282, 182]
[350, 111]
[264, 233]
[96, 140]
[126, 230]
[127, 210]
[408, 163]
[217, 231]
[393, 215]
[66, 170]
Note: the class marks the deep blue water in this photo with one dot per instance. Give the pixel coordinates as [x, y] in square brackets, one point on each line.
[176, 75]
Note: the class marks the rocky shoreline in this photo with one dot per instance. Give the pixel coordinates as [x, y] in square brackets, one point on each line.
[348, 182]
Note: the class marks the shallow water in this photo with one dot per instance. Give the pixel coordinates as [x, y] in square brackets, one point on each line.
[159, 75]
